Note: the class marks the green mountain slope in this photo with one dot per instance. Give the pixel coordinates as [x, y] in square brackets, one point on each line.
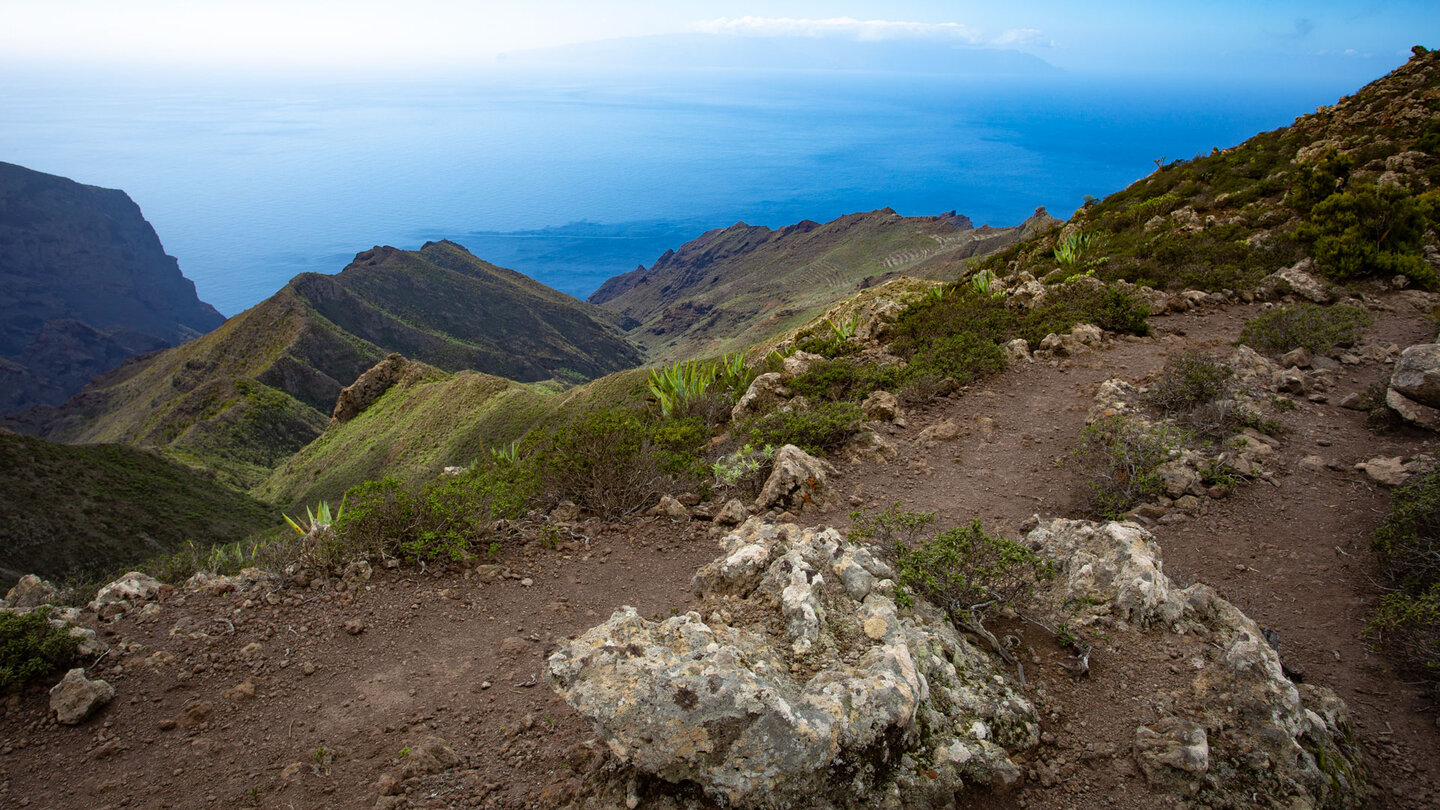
[74, 511]
[430, 420]
[1352, 187]
[243, 398]
[737, 286]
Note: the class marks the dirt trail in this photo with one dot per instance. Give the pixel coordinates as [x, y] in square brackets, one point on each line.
[221, 712]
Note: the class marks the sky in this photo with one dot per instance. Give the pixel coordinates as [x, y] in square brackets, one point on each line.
[338, 37]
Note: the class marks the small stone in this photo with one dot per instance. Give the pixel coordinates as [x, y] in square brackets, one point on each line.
[307, 668]
[526, 582]
[355, 627]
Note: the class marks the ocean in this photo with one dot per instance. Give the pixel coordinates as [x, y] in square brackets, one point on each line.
[572, 178]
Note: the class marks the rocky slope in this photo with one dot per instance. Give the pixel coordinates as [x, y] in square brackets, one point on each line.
[737, 286]
[245, 397]
[84, 284]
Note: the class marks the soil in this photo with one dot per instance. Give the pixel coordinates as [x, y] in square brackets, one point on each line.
[424, 683]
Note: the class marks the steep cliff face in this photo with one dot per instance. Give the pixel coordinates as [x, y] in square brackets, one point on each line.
[737, 286]
[84, 283]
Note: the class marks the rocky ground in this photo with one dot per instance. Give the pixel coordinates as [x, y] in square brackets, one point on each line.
[422, 687]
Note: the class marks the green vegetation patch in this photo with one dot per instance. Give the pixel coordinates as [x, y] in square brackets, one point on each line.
[1408, 547]
[818, 429]
[30, 648]
[1121, 458]
[1308, 326]
[74, 511]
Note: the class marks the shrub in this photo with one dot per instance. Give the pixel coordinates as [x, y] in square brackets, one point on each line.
[30, 648]
[965, 571]
[1408, 541]
[1188, 381]
[607, 462]
[817, 429]
[1120, 457]
[1314, 328]
[1408, 624]
[745, 469]
[1371, 231]
[1087, 302]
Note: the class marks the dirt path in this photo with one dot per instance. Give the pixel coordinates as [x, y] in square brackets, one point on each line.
[215, 707]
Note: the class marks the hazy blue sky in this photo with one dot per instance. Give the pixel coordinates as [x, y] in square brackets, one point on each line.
[355, 36]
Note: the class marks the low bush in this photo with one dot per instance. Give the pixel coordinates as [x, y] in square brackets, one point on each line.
[817, 429]
[1188, 381]
[744, 471]
[1408, 541]
[610, 463]
[1314, 328]
[1120, 457]
[30, 648]
[1369, 231]
[1408, 624]
[963, 570]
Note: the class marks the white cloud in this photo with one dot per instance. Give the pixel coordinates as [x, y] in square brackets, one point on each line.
[864, 30]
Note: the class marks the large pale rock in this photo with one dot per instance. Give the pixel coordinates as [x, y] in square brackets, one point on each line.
[1296, 280]
[1251, 366]
[671, 508]
[1417, 374]
[826, 676]
[733, 513]
[77, 697]
[764, 391]
[31, 591]
[799, 363]
[1017, 351]
[371, 385]
[1291, 747]
[126, 593]
[796, 478]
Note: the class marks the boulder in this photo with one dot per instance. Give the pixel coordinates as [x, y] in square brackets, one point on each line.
[1249, 365]
[799, 363]
[77, 697]
[371, 385]
[1174, 750]
[31, 591]
[1017, 351]
[126, 593]
[880, 406]
[765, 390]
[565, 512]
[826, 676]
[1411, 411]
[796, 479]
[671, 508]
[1387, 472]
[1417, 374]
[1296, 280]
[943, 431]
[867, 445]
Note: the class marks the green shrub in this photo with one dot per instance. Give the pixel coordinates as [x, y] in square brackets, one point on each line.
[1408, 541]
[1188, 381]
[1078, 302]
[1408, 624]
[965, 571]
[1314, 328]
[745, 469]
[607, 462]
[818, 429]
[30, 648]
[1371, 231]
[1120, 457]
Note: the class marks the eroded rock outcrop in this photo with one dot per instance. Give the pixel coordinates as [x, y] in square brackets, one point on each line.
[1250, 730]
[798, 682]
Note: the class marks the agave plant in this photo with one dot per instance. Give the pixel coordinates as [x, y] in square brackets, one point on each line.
[318, 518]
[983, 282]
[733, 371]
[681, 384]
[1071, 247]
[509, 454]
[845, 329]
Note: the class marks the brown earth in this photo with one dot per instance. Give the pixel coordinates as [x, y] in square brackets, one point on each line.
[214, 706]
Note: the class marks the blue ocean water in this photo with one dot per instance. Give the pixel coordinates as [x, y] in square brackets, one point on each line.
[574, 178]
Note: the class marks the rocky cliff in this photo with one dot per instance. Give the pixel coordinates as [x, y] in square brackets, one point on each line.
[84, 283]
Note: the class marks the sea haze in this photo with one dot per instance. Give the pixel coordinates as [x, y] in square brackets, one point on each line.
[575, 176]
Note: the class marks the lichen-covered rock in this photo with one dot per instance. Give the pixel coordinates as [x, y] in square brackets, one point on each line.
[76, 697]
[867, 445]
[795, 478]
[31, 591]
[826, 696]
[1287, 746]
[1251, 366]
[799, 363]
[1017, 351]
[126, 593]
[671, 508]
[733, 513]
